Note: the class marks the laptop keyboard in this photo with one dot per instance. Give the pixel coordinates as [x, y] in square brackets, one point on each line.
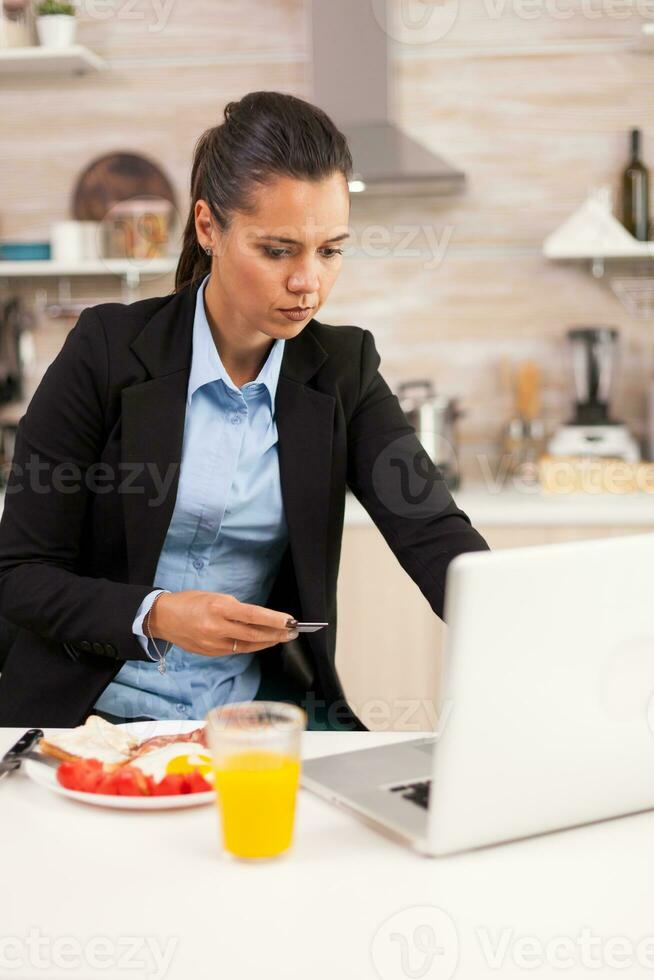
[415, 792]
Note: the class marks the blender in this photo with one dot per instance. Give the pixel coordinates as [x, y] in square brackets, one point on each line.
[592, 431]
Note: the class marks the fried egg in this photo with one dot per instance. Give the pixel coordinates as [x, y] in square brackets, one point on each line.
[178, 757]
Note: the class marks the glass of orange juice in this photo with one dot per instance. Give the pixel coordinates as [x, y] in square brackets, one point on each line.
[256, 761]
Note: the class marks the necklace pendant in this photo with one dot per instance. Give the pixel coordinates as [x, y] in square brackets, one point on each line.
[162, 666]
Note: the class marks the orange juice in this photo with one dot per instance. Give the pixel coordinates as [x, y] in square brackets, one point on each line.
[256, 791]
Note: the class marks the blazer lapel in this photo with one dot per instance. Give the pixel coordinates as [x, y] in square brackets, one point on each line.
[153, 415]
[152, 433]
[305, 426]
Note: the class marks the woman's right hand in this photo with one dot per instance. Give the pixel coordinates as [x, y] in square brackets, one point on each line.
[208, 623]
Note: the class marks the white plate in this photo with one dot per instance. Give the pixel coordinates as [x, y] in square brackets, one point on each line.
[47, 777]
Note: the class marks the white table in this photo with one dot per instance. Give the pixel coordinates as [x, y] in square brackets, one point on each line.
[73, 872]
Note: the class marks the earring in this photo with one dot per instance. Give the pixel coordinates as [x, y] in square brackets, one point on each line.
[207, 249]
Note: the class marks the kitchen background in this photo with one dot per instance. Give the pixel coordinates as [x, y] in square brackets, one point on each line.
[532, 100]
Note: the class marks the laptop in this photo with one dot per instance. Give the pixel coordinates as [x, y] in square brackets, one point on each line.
[546, 708]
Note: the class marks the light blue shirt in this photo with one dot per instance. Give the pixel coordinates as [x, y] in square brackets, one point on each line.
[227, 534]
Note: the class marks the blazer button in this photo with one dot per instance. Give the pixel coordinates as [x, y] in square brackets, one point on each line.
[84, 645]
[110, 650]
[98, 648]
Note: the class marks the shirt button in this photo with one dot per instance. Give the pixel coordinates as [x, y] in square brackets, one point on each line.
[181, 709]
[236, 419]
[198, 563]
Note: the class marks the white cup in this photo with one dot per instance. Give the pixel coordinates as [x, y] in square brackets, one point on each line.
[74, 241]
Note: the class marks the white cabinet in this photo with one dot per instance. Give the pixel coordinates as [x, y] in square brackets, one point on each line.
[388, 651]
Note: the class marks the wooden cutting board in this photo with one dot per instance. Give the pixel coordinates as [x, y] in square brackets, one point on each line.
[117, 177]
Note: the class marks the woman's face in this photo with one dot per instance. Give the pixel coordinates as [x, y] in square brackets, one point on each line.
[286, 254]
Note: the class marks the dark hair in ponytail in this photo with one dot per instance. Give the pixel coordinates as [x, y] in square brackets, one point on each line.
[263, 134]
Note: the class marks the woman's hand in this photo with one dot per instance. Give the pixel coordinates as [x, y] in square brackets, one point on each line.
[208, 623]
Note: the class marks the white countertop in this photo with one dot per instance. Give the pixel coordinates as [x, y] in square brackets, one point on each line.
[488, 507]
[342, 903]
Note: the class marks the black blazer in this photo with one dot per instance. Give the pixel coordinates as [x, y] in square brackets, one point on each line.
[80, 541]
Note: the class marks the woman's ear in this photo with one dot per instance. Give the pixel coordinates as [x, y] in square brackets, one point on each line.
[204, 224]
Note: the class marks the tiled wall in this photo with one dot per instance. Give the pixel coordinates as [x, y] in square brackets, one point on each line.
[533, 100]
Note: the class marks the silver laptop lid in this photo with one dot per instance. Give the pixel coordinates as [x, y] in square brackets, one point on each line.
[547, 711]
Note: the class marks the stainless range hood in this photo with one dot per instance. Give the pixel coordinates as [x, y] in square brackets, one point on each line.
[351, 82]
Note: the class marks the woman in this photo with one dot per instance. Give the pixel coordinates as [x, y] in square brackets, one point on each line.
[178, 484]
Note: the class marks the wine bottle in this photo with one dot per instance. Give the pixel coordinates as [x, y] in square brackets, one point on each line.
[635, 193]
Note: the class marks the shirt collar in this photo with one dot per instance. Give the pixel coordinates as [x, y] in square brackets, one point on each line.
[206, 365]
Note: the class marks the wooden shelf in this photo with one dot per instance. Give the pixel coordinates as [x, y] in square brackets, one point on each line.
[98, 267]
[73, 60]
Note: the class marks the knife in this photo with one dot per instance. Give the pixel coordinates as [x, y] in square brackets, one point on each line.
[11, 760]
[47, 760]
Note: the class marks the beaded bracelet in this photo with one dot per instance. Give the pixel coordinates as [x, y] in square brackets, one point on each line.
[161, 667]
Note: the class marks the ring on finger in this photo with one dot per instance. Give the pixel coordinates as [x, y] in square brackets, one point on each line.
[234, 646]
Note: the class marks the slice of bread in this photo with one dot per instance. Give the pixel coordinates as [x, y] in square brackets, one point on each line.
[96, 739]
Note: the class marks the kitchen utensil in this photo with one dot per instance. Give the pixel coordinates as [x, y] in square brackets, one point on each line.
[46, 760]
[433, 417]
[118, 177]
[523, 434]
[591, 431]
[12, 759]
[527, 390]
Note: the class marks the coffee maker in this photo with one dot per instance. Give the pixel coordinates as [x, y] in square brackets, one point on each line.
[592, 431]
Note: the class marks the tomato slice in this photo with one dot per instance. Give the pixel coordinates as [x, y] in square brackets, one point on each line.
[175, 784]
[108, 783]
[90, 776]
[89, 773]
[171, 785]
[197, 783]
[81, 775]
[67, 775]
[134, 782]
[127, 783]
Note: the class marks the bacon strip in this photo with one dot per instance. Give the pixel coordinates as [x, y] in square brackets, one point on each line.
[198, 735]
